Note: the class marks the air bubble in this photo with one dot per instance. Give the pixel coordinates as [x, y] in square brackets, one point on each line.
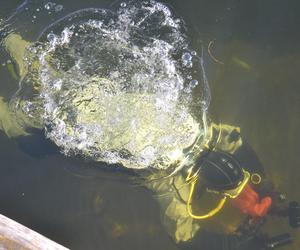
[194, 83]
[51, 37]
[123, 5]
[189, 64]
[187, 57]
[58, 8]
[187, 60]
[49, 5]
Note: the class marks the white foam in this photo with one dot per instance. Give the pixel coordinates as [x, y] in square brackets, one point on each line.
[116, 87]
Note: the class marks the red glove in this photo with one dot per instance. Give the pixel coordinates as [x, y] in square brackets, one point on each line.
[250, 203]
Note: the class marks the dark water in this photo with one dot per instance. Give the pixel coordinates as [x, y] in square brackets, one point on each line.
[84, 206]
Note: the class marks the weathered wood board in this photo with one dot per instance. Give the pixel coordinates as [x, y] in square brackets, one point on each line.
[14, 236]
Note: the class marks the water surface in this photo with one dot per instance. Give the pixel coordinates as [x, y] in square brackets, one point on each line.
[83, 205]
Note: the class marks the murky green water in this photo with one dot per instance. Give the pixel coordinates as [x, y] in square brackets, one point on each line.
[84, 206]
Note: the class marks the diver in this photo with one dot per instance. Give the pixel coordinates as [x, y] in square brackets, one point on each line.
[229, 169]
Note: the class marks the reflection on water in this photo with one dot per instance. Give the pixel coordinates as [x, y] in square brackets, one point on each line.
[98, 209]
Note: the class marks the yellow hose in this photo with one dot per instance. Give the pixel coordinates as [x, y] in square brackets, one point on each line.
[210, 213]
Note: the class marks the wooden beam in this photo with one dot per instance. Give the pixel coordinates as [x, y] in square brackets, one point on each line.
[14, 236]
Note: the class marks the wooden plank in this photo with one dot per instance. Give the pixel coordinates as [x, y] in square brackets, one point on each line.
[14, 236]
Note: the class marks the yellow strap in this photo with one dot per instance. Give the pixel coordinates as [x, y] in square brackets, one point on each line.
[210, 213]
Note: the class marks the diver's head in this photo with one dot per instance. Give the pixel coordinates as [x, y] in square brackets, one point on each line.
[220, 171]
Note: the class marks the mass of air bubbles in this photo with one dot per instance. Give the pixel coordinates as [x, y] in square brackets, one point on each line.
[117, 86]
